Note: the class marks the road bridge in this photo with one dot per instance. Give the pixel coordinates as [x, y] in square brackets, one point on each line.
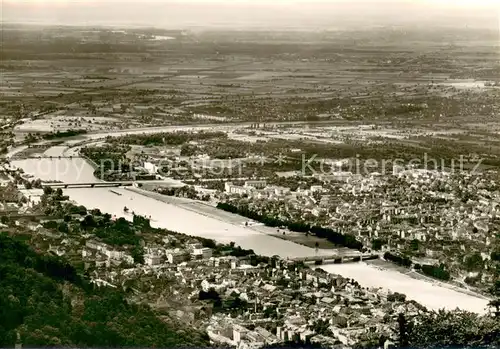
[207, 180]
[89, 185]
[48, 157]
[337, 258]
[39, 146]
[105, 184]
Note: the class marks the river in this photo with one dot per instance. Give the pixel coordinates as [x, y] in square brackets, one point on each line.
[180, 219]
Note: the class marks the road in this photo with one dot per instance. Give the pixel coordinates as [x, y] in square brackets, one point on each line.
[97, 136]
[230, 125]
[208, 180]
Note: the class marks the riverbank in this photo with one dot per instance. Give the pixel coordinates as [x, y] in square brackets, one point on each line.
[380, 265]
[213, 212]
[385, 265]
[183, 217]
[432, 295]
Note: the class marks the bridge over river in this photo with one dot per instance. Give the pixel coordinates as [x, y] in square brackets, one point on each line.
[114, 184]
[337, 258]
[48, 157]
[90, 184]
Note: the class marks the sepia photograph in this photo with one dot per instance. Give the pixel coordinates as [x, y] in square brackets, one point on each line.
[250, 174]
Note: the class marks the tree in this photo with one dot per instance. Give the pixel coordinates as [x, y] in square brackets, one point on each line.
[377, 244]
[88, 222]
[474, 262]
[455, 329]
[141, 221]
[138, 254]
[50, 225]
[212, 295]
[63, 228]
[95, 212]
[414, 245]
[270, 312]
[33, 303]
[400, 297]
[403, 331]
[495, 303]
[321, 327]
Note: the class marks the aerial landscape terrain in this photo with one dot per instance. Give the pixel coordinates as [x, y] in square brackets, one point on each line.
[249, 188]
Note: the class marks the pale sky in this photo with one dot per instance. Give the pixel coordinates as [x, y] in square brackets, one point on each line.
[453, 3]
[270, 13]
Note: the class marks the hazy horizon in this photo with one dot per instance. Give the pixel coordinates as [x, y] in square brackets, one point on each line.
[324, 14]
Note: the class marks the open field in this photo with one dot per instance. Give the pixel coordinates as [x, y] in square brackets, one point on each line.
[111, 79]
[385, 89]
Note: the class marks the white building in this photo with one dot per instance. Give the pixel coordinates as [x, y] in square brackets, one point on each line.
[235, 189]
[152, 259]
[113, 254]
[316, 188]
[280, 191]
[150, 167]
[203, 253]
[255, 184]
[96, 245]
[334, 176]
[176, 257]
[239, 333]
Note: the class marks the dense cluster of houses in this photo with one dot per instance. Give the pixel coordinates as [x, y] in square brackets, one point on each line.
[434, 215]
[278, 301]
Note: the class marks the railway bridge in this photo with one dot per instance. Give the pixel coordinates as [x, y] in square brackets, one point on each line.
[90, 184]
[103, 184]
